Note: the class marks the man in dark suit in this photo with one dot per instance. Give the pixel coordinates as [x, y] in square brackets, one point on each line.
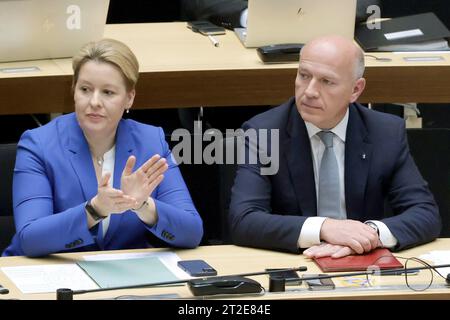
[341, 211]
[233, 13]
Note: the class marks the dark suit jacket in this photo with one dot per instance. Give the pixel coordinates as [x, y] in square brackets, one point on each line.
[269, 211]
[54, 177]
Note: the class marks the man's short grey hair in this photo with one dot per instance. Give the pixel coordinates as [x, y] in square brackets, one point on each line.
[360, 64]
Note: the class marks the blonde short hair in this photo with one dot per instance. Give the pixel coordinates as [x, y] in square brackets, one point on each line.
[108, 51]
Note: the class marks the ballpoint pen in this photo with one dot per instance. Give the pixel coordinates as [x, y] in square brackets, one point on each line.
[213, 40]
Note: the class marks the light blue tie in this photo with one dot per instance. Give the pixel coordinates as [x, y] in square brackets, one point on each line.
[328, 179]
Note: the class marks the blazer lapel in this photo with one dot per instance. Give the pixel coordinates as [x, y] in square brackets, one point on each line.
[297, 149]
[358, 151]
[124, 148]
[80, 159]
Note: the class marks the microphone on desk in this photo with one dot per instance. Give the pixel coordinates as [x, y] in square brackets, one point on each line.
[64, 294]
[228, 284]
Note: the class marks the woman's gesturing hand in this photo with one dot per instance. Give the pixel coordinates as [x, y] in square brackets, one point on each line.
[141, 183]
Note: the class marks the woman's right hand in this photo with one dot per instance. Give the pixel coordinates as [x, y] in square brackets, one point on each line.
[109, 200]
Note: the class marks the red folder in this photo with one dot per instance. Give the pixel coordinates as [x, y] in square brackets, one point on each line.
[380, 257]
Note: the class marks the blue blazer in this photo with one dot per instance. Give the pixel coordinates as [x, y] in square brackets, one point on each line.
[269, 211]
[54, 176]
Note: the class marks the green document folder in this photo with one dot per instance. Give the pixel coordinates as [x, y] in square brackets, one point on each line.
[127, 272]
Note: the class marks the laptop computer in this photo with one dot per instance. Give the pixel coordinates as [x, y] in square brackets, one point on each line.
[296, 21]
[43, 29]
[419, 32]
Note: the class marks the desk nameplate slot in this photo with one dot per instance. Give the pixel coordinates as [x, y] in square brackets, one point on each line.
[20, 69]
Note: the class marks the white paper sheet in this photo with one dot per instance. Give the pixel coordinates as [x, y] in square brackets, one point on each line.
[438, 257]
[49, 278]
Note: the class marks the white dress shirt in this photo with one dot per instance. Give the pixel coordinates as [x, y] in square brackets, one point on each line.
[310, 232]
[109, 159]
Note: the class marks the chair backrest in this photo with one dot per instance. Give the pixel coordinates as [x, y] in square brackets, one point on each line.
[7, 162]
[430, 149]
[202, 182]
[227, 174]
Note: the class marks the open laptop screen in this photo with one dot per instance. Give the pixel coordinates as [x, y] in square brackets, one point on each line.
[297, 21]
[42, 29]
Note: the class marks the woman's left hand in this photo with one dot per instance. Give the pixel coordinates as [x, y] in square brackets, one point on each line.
[141, 183]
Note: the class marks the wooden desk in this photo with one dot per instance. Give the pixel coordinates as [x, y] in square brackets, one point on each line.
[232, 260]
[180, 68]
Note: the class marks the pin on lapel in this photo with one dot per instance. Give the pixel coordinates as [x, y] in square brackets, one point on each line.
[363, 156]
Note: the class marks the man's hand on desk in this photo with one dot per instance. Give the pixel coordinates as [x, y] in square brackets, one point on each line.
[327, 249]
[355, 235]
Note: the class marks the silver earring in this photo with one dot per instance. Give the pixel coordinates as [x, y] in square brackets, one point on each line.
[128, 111]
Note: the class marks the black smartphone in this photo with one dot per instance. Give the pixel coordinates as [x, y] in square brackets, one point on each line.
[198, 23]
[319, 284]
[292, 278]
[197, 268]
[212, 31]
[205, 27]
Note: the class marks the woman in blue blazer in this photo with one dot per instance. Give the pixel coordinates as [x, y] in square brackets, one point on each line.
[91, 180]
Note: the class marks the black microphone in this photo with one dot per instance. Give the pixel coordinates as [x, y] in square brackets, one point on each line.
[228, 284]
[64, 294]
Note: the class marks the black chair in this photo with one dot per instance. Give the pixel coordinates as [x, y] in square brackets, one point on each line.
[202, 183]
[430, 149]
[7, 161]
[233, 148]
[210, 189]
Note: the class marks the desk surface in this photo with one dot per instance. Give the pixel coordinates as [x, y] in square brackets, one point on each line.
[234, 260]
[180, 68]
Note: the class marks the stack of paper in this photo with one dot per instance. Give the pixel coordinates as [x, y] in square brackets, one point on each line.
[102, 270]
[438, 257]
[432, 45]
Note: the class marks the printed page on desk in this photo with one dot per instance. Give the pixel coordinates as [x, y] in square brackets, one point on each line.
[48, 278]
[128, 272]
